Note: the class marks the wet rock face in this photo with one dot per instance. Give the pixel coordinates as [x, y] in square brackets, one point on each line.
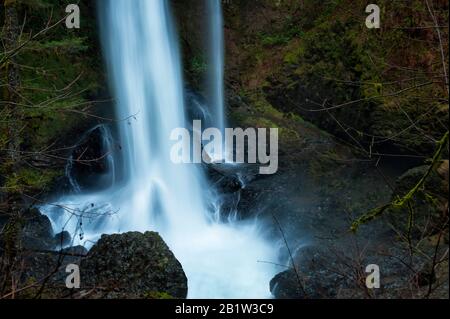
[285, 286]
[33, 229]
[134, 265]
[90, 151]
[90, 159]
[62, 239]
[197, 108]
[37, 233]
[225, 181]
[313, 279]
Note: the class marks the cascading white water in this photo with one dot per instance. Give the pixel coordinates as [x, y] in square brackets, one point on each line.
[216, 62]
[215, 74]
[220, 260]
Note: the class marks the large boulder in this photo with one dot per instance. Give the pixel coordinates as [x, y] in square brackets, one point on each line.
[30, 231]
[314, 277]
[133, 265]
[285, 285]
[37, 232]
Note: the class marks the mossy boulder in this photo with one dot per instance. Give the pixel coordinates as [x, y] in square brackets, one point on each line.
[133, 265]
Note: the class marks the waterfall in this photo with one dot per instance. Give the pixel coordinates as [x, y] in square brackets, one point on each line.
[215, 74]
[152, 193]
[216, 62]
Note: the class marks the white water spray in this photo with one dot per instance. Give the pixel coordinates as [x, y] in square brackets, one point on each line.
[220, 260]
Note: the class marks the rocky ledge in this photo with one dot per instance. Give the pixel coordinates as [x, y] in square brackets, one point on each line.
[127, 266]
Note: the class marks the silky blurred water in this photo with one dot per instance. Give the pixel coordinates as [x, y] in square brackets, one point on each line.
[140, 46]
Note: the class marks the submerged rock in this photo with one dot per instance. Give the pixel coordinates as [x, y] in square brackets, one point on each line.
[133, 265]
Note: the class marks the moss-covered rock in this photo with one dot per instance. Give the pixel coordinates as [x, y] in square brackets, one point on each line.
[387, 83]
[132, 265]
[126, 266]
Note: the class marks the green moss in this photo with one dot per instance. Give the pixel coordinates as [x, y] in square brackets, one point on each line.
[198, 65]
[157, 295]
[339, 60]
[294, 54]
[30, 179]
[401, 203]
[60, 73]
[274, 40]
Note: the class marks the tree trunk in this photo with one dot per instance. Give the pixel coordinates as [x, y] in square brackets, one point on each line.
[11, 98]
[11, 31]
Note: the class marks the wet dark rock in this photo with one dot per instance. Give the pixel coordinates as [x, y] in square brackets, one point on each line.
[319, 285]
[37, 232]
[50, 266]
[238, 188]
[249, 197]
[426, 277]
[286, 286]
[197, 108]
[76, 251]
[129, 266]
[314, 277]
[134, 265]
[62, 239]
[32, 231]
[225, 183]
[89, 159]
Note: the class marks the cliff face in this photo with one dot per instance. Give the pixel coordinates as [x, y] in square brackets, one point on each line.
[382, 88]
[356, 108]
[60, 74]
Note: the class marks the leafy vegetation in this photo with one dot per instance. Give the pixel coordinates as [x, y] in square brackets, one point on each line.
[59, 75]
